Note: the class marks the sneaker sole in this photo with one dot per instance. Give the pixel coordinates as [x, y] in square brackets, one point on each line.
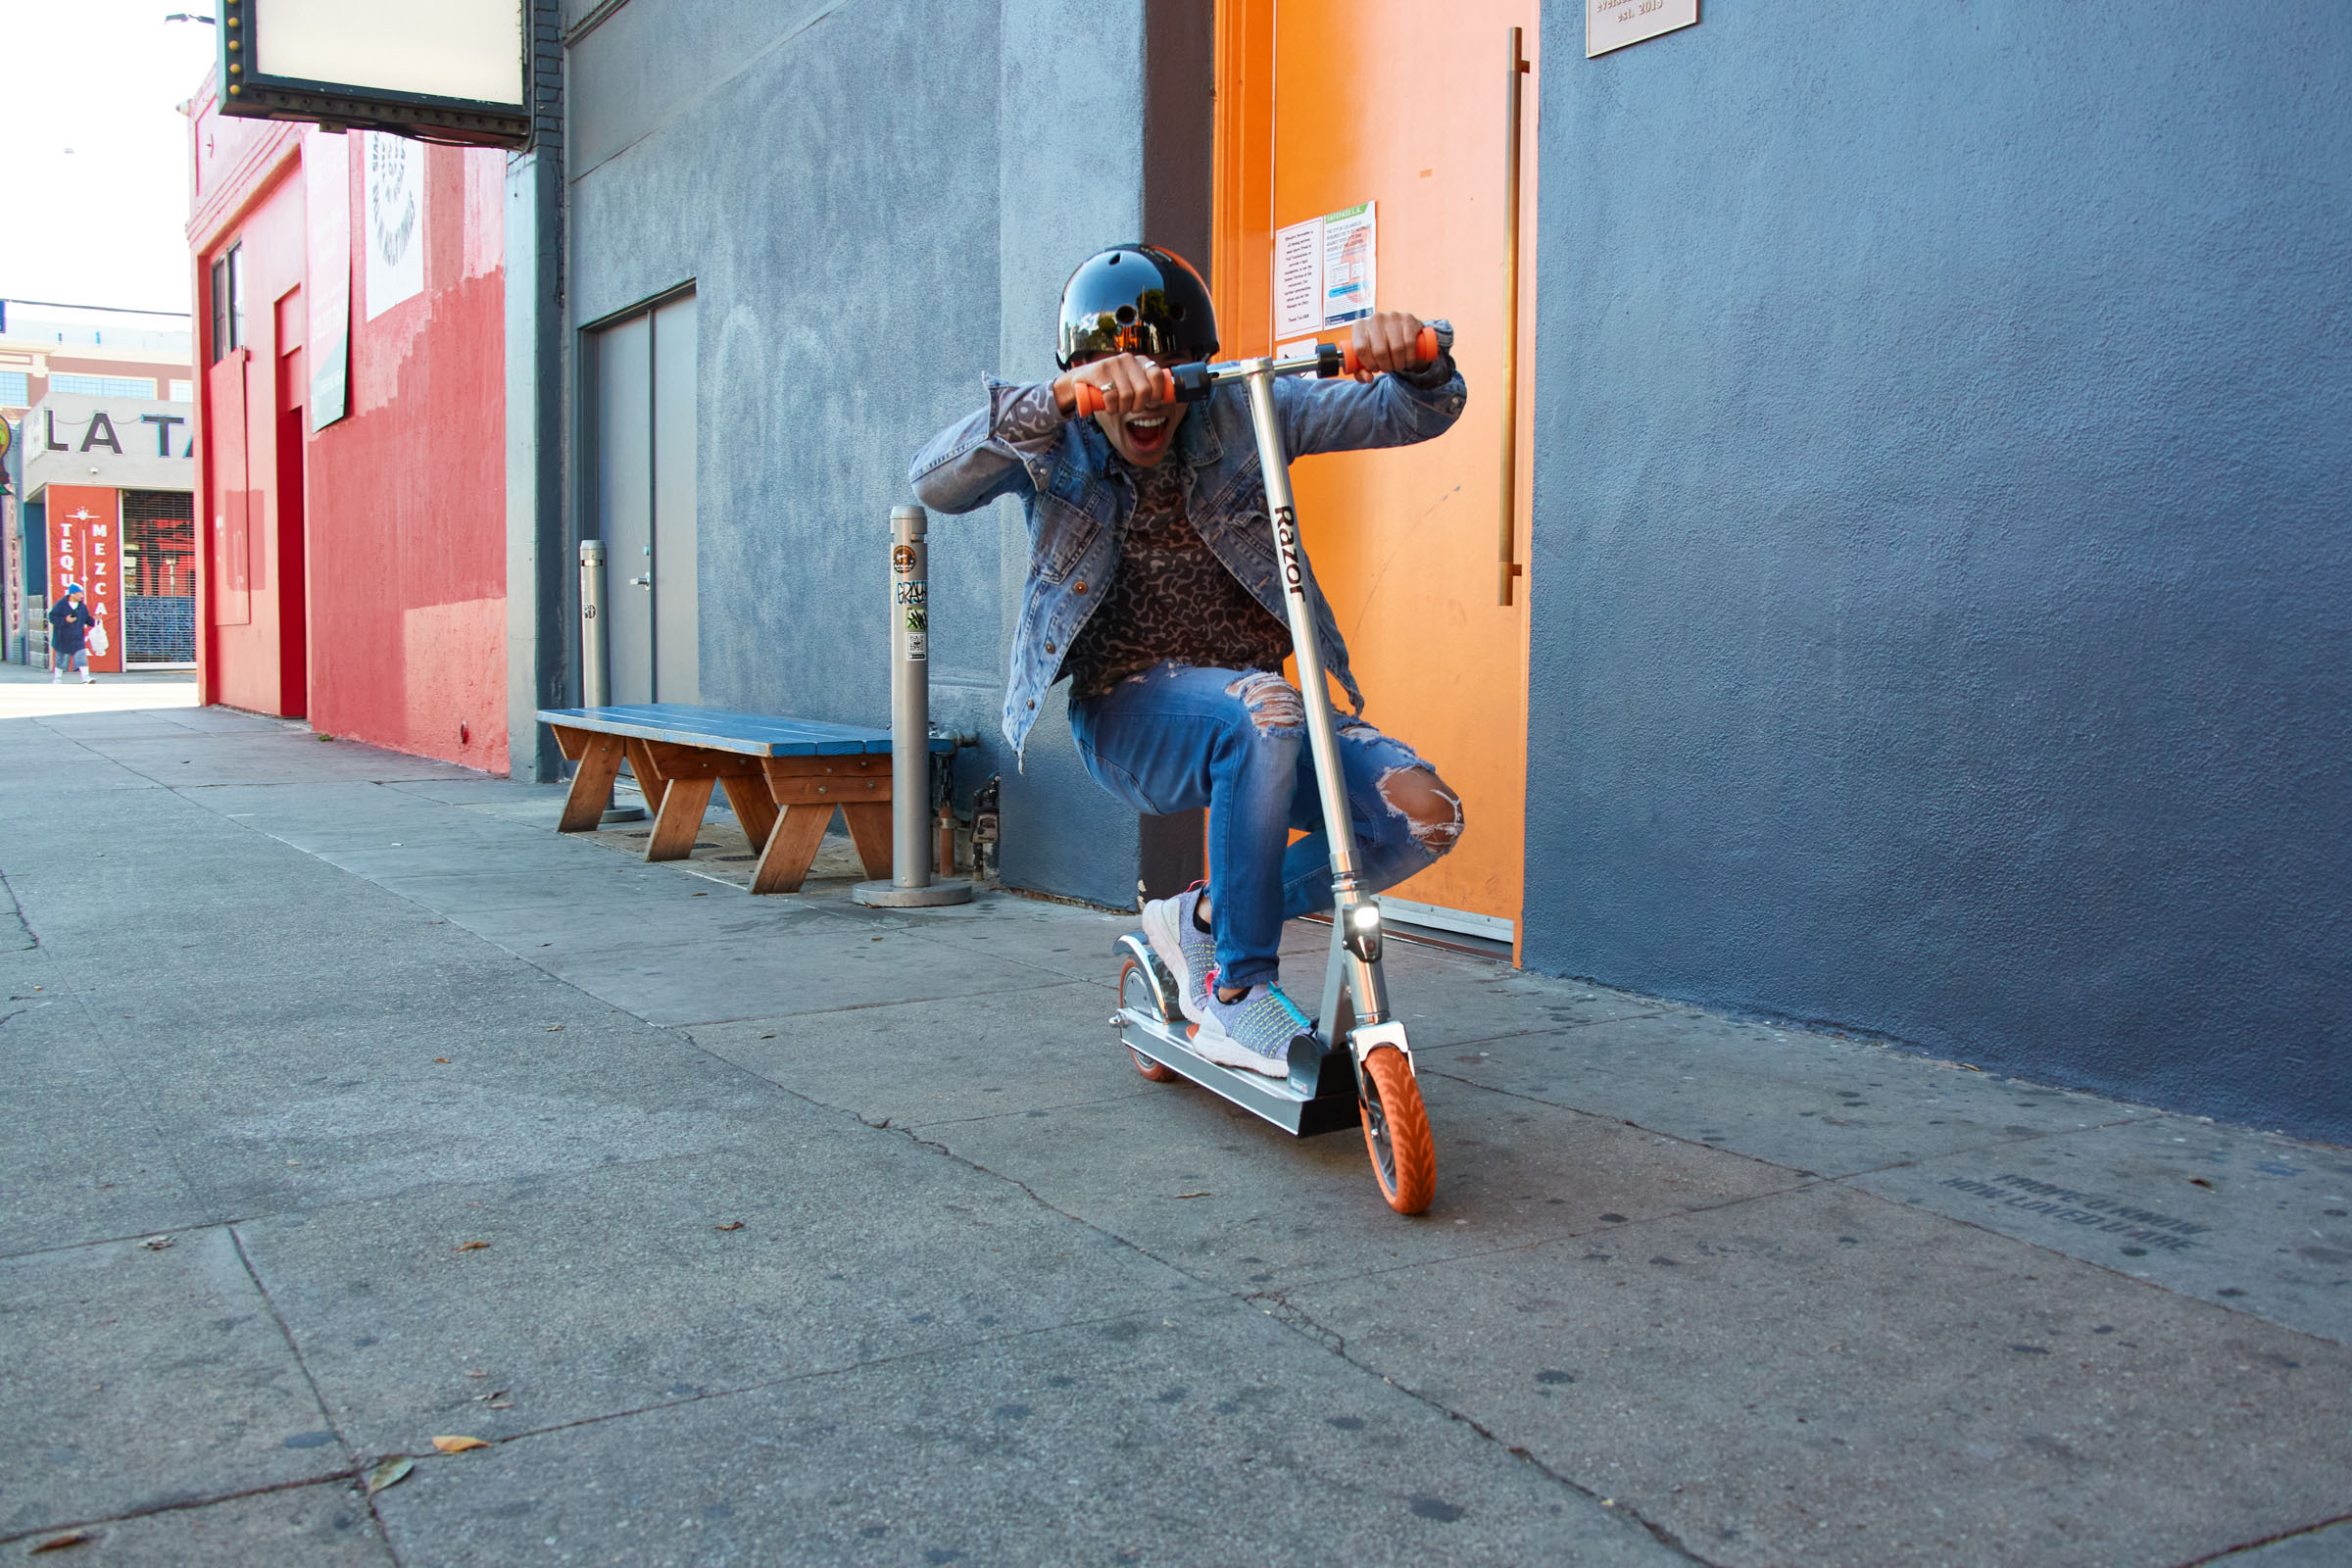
[1227, 1052]
[1160, 929]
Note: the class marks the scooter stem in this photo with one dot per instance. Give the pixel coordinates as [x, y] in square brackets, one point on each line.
[1322, 730]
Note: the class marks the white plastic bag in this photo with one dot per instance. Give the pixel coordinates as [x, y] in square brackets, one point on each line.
[98, 641]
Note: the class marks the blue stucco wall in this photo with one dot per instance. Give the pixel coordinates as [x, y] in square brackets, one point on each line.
[876, 202]
[1942, 602]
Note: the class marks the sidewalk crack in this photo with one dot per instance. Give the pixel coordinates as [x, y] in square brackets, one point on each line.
[1304, 1323]
[32, 938]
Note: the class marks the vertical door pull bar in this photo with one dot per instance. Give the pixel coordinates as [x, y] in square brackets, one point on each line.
[1508, 525]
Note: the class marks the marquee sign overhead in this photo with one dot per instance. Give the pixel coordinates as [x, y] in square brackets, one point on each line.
[442, 70]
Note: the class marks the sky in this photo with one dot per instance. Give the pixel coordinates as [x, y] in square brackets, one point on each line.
[98, 150]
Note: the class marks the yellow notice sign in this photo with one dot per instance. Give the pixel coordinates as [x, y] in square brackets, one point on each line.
[1614, 24]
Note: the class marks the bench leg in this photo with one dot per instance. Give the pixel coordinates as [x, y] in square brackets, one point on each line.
[649, 775]
[869, 830]
[592, 786]
[791, 849]
[754, 807]
[683, 802]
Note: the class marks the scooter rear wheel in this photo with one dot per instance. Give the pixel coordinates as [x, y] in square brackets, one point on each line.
[1404, 1157]
[1136, 989]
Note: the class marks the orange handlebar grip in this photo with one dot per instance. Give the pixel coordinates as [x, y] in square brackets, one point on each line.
[1425, 346]
[1090, 400]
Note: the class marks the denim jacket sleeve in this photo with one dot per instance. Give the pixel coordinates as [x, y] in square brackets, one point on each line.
[1007, 447]
[1345, 415]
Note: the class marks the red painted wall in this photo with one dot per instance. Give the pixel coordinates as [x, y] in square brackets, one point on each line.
[398, 523]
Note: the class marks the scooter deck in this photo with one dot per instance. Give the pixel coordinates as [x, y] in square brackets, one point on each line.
[1319, 1097]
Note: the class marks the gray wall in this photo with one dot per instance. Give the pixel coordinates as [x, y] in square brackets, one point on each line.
[876, 202]
[1942, 587]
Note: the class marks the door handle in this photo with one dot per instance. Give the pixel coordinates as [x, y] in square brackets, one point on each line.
[1510, 521]
[645, 582]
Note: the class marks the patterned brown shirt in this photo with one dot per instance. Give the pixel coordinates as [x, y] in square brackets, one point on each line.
[1171, 599]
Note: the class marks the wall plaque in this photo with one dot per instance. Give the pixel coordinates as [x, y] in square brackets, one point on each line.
[1614, 24]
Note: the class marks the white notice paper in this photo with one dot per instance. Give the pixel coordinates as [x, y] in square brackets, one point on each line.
[393, 179]
[1324, 272]
[1614, 24]
[1299, 279]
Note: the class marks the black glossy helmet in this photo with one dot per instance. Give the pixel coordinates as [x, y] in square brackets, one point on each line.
[1136, 299]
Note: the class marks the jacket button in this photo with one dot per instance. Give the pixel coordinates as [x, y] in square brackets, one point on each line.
[1079, 586]
[1032, 702]
[1049, 648]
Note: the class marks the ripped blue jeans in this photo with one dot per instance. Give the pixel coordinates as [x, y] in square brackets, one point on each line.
[1179, 736]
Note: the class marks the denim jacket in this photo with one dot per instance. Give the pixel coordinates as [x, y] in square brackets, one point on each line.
[1078, 504]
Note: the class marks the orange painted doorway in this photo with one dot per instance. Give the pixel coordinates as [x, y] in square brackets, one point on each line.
[1323, 105]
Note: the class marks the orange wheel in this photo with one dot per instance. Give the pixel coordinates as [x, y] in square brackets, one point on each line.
[1137, 991]
[1397, 1132]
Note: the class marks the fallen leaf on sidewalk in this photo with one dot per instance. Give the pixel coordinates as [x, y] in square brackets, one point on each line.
[444, 1060]
[156, 1244]
[1195, 1195]
[494, 1394]
[389, 1473]
[72, 1537]
[471, 1246]
[731, 1225]
[457, 1445]
[554, 1028]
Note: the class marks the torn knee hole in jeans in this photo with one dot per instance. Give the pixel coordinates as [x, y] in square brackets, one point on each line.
[1433, 813]
[1274, 703]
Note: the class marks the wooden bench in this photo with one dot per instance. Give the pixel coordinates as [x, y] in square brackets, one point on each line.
[784, 777]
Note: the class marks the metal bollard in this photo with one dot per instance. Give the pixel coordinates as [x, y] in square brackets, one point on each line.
[910, 882]
[595, 681]
[596, 675]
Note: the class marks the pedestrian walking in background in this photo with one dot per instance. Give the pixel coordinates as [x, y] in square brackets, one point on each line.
[69, 623]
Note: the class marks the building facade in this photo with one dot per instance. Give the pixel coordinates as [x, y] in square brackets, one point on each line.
[95, 357]
[352, 453]
[1892, 574]
[108, 497]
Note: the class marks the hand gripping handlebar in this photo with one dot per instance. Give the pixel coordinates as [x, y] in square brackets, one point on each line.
[1188, 383]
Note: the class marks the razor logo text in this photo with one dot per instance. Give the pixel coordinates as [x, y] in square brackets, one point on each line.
[1285, 534]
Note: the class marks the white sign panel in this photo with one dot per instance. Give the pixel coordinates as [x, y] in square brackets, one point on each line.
[464, 49]
[1325, 273]
[1614, 24]
[394, 175]
[1299, 279]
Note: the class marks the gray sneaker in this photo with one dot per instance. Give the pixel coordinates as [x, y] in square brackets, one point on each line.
[1188, 950]
[1253, 1033]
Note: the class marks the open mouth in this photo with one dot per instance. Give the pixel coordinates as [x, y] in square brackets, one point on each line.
[1147, 430]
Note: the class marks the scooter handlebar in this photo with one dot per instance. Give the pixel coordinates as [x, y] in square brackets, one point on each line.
[1087, 398]
[1424, 349]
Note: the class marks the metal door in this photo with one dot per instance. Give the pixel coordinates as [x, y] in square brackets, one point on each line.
[642, 398]
[677, 659]
[1405, 541]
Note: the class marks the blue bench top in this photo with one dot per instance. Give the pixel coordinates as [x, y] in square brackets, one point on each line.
[718, 730]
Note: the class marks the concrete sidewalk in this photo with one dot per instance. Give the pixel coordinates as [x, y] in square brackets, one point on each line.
[352, 1107]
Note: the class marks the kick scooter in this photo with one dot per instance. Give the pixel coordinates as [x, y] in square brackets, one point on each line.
[1355, 1068]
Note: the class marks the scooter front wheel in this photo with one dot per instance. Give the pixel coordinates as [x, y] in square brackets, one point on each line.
[1397, 1131]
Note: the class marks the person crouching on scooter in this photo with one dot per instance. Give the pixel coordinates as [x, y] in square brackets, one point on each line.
[1152, 585]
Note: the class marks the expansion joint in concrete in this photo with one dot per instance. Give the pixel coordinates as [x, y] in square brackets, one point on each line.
[2305, 1533]
[1303, 1323]
[181, 1505]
